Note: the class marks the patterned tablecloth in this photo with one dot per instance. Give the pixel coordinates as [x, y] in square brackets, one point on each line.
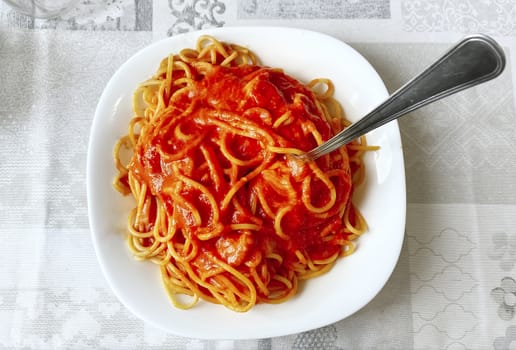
[455, 284]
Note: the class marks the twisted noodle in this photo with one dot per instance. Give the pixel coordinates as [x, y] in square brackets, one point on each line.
[221, 205]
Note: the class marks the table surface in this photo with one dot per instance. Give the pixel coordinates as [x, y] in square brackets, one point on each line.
[454, 286]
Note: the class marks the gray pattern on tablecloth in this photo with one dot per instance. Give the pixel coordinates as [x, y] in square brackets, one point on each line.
[503, 249]
[452, 277]
[506, 342]
[496, 17]
[286, 9]
[469, 137]
[116, 15]
[9, 18]
[441, 257]
[505, 296]
[264, 344]
[71, 318]
[40, 140]
[189, 15]
[318, 339]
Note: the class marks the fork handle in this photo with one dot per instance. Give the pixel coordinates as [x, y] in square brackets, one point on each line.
[474, 60]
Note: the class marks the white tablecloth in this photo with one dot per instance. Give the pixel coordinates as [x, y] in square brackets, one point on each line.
[454, 286]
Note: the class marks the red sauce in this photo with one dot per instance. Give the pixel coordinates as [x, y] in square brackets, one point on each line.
[245, 92]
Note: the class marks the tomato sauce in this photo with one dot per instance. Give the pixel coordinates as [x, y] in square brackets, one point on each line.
[244, 97]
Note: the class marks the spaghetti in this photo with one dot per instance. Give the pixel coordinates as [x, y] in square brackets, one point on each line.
[221, 205]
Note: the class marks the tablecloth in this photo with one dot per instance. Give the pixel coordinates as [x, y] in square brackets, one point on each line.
[455, 283]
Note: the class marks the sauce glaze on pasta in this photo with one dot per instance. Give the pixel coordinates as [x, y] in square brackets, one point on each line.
[222, 206]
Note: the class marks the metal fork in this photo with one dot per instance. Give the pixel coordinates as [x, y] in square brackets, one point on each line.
[474, 60]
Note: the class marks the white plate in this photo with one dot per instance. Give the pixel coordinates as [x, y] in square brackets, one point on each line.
[350, 285]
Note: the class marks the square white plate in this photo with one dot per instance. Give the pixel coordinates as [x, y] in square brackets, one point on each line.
[350, 285]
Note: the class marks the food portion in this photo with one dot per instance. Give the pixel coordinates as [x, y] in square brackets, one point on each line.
[222, 205]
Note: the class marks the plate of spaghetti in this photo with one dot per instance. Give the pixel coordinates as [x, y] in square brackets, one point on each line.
[205, 222]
